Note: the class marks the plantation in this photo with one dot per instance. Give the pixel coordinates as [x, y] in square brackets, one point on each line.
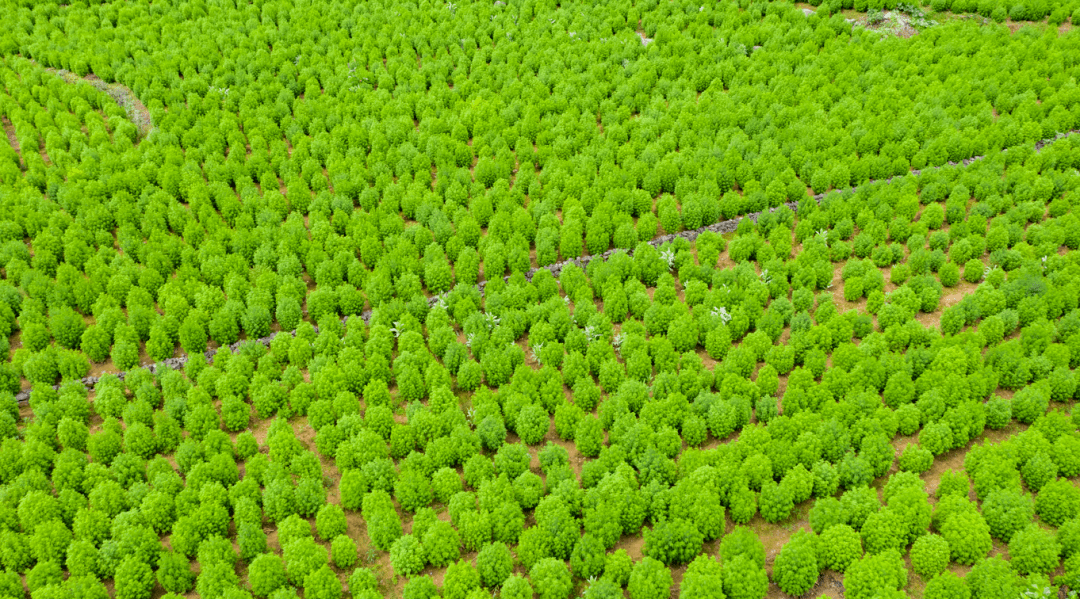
[526, 299]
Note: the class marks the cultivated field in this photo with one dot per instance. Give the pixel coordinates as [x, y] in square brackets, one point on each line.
[521, 299]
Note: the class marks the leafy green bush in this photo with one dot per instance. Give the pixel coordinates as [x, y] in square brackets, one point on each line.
[441, 544]
[775, 502]
[874, 573]
[968, 537]
[929, 555]
[551, 579]
[343, 551]
[744, 578]
[839, 546]
[650, 579]
[266, 573]
[796, 567]
[946, 585]
[134, 579]
[495, 564]
[1057, 502]
[674, 541]
[993, 577]
[1034, 550]
[1007, 511]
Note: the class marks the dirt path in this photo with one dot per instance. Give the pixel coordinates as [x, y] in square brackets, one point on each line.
[9, 129]
[124, 97]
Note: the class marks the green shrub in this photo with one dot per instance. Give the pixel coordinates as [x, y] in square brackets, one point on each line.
[343, 551]
[266, 573]
[650, 579]
[495, 564]
[839, 546]
[796, 568]
[916, 459]
[134, 579]
[441, 544]
[994, 577]
[674, 541]
[946, 585]
[968, 537]
[775, 502]
[1007, 511]
[929, 555]
[1034, 550]
[551, 579]
[1057, 502]
[875, 573]
[617, 566]
[744, 578]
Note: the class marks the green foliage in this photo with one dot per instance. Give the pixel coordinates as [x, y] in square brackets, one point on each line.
[744, 578]
[1057, 502]
[617, 566]
[1007, 511]
[551, 579]
[441, 544]
[1034, 550]
[330, 521]
[775, 502]
[839, 546]
[650, 579]
[407, 556]
[495, 564]
[993, 577]
[322, 584]
[674, 541]
[929, 555]
[968, 537]
[266, 573]
[343, 551]
[796, 567]
[946, 585]
[134, 579]
[874, 573]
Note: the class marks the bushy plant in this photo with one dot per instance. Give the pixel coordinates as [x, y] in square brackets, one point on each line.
[650, 579]
[929, 555]
[441, 544]
[134, 579]
[551, 579]
[775, 502]
[175, 575]
[407, 556]
[1057, 502]
[673, 541]
[744, 578]
[495, 564]
[994, 577]
[517, 587]
[266, 574]
[617, 566]
[1007, 511]
[946, 585]
[796, 567]
[1034, 550]
[330, 521]
[322, 584]
[343, 552]
[875, 573]
[968, 537]
[839, 546]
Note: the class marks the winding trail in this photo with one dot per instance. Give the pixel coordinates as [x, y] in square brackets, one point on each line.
[727, 226]
[137, 112]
